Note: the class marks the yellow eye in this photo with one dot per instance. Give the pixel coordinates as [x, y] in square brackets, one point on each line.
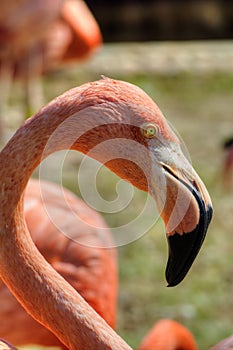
[149, 130]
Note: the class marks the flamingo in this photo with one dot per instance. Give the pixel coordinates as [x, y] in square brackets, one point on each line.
[20, 45]
[38, 36]
[118, 124]
[85, 35]
[79, 256]
[228, 163]
[63, 31]
[169, 335]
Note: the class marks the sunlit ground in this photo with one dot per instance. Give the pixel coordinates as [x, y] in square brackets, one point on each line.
[199, 105]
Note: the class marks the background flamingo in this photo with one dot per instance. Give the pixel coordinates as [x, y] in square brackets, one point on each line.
[114, 111]
[169, 335]
[78, 255]
[38, 36]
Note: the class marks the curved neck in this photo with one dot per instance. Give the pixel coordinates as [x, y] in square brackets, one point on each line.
[48, 131]
[42, 292]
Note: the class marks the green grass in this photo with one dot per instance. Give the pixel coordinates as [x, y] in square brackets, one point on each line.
[200, 108]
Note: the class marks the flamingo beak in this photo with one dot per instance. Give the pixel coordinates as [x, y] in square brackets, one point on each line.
[186, 209]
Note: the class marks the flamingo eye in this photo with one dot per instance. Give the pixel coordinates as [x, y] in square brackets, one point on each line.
[149, 130]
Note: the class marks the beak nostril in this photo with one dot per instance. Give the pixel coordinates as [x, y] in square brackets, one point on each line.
[195, 185]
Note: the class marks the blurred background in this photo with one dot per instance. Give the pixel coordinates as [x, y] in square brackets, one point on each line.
[149, 20]
[181, 54]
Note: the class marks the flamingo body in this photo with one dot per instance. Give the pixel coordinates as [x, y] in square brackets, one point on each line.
[74, 239]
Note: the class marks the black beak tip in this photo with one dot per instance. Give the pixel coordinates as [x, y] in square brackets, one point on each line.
[179, 258]
[183, 249]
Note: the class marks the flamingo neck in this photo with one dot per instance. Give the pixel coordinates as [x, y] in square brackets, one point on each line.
[42, 292]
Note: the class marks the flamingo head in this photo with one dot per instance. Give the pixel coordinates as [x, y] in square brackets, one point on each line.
[130, 135]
